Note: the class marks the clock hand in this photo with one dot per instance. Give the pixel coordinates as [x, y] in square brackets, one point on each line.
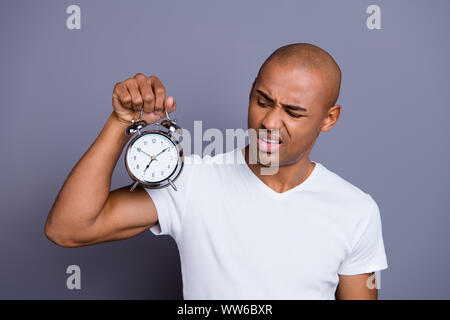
[153, 158]
[140, 150]
[162, 151]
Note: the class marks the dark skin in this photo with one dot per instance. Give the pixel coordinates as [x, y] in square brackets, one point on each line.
[298, 129]
[293, 100]
[87, 212]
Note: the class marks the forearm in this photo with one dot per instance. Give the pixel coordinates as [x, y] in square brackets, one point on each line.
[87, 187]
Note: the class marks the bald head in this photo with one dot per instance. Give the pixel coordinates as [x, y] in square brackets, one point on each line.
[310, 58]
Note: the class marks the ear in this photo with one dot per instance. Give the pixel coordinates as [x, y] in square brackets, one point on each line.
[331, 118]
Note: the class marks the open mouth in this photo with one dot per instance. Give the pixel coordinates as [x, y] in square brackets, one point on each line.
[269, 144]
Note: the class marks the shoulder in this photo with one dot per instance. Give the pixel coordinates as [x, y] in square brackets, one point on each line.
[351, 197]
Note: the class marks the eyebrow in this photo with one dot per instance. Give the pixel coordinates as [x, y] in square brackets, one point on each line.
[266, 96]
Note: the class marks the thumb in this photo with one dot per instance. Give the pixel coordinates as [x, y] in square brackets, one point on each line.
[170, 104]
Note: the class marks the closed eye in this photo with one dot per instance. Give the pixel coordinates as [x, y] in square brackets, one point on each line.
[263, 104]
[294, 115]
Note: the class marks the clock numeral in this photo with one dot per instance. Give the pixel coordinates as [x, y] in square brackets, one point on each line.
[162, 172]
[153, 140]
[137, 166]
[153, 174]
[134, 157]
[168, 167]
[145, 143]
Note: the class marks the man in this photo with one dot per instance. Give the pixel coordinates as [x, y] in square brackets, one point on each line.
[301, 233]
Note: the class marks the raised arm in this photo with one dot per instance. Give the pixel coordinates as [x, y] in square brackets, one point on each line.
[85, 211]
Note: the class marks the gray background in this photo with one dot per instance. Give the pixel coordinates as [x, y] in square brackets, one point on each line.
[56, 84]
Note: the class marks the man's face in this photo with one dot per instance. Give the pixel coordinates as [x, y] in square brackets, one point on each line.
[290, 101]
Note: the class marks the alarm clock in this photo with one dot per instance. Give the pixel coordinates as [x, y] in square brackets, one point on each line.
[154, 158]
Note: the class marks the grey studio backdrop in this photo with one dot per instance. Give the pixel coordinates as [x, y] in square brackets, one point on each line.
[56, 85]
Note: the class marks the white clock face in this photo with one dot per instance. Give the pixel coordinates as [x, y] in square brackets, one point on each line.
[152, 157]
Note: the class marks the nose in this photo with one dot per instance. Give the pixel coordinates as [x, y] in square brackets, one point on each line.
[273, 119]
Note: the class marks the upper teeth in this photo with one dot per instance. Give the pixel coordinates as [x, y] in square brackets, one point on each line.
[269, 141]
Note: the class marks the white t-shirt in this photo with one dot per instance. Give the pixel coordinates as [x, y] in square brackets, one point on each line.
[239, 239]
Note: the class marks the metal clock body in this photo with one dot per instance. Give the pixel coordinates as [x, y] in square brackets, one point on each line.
[154, 158]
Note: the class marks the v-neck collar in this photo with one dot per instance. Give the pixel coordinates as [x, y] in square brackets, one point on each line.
[265, 188]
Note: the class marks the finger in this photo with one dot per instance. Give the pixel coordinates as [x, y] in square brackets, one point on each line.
[159, 91]
[122, 95]
[170, 104]
[136, 99]
[146, 93]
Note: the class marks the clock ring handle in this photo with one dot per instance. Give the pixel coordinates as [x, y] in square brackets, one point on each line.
[140, 116]
[167, 115]
[136, 125]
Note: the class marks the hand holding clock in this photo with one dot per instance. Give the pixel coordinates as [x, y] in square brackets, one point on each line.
[133, 94]
[144, 98]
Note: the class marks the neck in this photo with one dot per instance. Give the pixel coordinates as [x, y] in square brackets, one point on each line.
[287, 177]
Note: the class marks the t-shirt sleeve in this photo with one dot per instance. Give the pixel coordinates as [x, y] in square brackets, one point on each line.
[170, 204]
[368, 254]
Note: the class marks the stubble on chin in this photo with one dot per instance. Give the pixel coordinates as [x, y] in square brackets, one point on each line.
[270, 162]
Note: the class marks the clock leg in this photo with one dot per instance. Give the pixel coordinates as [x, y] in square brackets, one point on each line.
[134, 186]
[172, 184]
